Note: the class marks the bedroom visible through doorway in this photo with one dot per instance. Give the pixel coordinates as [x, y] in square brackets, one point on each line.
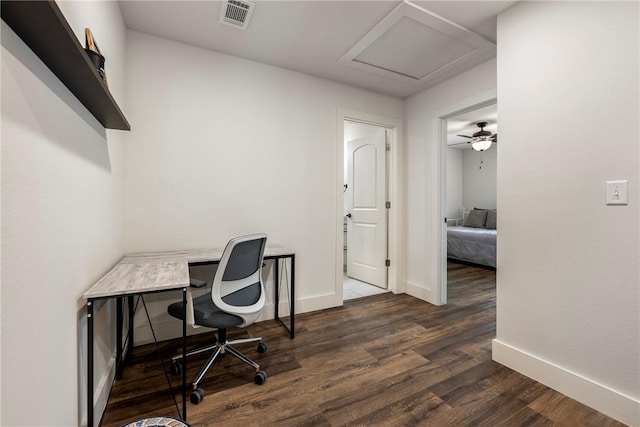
[470, 190]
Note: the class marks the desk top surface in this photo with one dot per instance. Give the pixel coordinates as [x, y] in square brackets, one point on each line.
[159, 271]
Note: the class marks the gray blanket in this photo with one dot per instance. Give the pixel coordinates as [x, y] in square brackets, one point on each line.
[477, 245]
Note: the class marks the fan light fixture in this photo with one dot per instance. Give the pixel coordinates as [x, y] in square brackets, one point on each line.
[481, 143]
[481, 140]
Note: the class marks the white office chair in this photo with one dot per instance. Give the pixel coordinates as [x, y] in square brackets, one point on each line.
[236, 300]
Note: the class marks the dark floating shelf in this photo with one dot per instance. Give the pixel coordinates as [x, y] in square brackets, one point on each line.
[42, 26]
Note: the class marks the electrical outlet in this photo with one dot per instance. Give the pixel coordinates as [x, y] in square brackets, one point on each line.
[616, 193]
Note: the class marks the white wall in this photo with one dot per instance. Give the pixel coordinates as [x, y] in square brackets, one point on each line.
[423, 171]
[567, 280]
[62, 224]
[479, 184]
[223, 146]
[455, 180]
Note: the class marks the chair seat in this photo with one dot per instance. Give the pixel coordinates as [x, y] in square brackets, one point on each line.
[206, 313]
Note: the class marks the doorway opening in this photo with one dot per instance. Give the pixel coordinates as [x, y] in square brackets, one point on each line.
[469, 189]
[368, 205]
[365, 218]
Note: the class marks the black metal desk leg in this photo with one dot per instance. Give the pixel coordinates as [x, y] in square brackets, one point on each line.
[119, 322]
[276, 277]
[131, 313]
[292, 307]
[184, 356]
[292, 296]
[90, 363]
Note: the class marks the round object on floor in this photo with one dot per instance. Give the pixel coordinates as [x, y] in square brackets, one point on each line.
[158, 422]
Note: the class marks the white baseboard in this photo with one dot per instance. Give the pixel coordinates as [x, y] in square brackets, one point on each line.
[600, 397]
[101, 392]
[420, 292]
[315, 303]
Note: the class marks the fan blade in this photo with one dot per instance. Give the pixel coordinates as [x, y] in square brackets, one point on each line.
[459, 143]
[494, 138]
[465, 136]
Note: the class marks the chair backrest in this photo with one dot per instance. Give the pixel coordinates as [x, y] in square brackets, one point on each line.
[237, 285]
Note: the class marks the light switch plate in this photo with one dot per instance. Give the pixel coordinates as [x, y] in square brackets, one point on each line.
[616, 193]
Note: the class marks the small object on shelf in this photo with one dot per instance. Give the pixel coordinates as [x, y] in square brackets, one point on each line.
[43, 28]
[89, 41]
[92, 49]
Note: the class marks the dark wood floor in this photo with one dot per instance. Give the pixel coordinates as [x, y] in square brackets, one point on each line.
[387, 359]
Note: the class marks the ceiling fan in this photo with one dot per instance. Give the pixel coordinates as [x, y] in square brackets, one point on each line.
[481, 140]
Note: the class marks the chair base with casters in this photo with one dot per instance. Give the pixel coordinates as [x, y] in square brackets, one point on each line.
[219, 349]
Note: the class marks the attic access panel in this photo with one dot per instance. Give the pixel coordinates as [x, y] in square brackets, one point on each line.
[416, 46]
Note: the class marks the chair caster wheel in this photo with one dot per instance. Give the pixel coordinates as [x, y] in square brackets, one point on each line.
[196, 396]
[262, 347]
[260, 378]
[176, 368]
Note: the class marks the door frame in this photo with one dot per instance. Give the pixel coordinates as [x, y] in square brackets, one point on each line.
[441, 126]
[394, 240]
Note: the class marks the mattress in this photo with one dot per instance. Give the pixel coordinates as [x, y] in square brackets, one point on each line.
[476, 245]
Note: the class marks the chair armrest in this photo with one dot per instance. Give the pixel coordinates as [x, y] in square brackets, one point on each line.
[195, 283]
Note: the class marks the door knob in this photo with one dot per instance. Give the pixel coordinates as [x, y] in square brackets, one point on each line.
[348, 215]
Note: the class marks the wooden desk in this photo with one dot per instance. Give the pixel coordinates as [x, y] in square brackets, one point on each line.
[151, 272]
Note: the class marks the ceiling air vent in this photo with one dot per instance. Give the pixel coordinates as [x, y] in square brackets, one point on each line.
[236, 13]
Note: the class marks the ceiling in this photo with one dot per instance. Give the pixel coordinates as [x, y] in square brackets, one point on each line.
[465, 124]
[392, 47]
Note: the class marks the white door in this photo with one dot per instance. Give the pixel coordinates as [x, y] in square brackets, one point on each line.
[366, 214]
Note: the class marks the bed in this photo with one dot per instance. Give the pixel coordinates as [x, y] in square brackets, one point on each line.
[475, 241]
